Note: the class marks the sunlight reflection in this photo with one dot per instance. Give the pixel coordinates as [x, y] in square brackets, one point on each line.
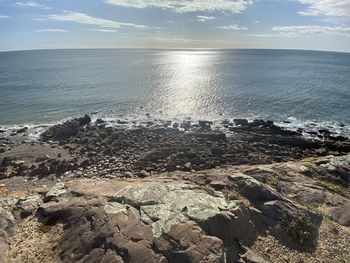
[188, 85]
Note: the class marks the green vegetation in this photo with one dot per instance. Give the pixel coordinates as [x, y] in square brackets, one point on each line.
[309, 206]
[298, 228]
[273, 181]
[332, 187]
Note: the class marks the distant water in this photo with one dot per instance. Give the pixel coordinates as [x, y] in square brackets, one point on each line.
[50, 85]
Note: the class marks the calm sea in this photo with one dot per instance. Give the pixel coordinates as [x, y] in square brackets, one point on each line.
[50, 85]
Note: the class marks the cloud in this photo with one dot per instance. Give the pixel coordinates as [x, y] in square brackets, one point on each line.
[4, 17]
[173, 39]
[326, 7]
[205, 18]
[51, 30]
[183, 6]
[292, 31]
[31, 4]
[233, 27]
[89, 20]
[103, 30]
[262, 35]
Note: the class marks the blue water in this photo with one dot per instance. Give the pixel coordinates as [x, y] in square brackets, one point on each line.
[50, 85]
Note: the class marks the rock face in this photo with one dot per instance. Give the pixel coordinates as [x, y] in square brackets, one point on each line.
[7, 223]
[211, 216]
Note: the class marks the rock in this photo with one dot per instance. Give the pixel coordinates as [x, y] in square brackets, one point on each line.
[186, 242]
[84, 120]
[27, 206]
[62, 131]
[42, 170]
[22, 130]
[341, 214]
[56, 191]
[206, 125]
[241, 122]
[7, 223]
[92, 234]
[99, 121]
[251, 257]
[165, 206]
[253, 189]
[294, 224]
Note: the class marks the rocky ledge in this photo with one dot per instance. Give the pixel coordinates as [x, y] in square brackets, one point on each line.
[217, 215]
[184, 192]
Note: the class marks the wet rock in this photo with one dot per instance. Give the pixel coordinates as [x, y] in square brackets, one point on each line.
[22, 130]
[241, 122]
[62, 131]
[84, 120]
[99, 121]
[206, 125]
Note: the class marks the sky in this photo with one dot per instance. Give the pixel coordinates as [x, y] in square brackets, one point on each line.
[288, 24]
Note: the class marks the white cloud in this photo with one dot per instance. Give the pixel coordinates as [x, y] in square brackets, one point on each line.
[4, 17]
[326, 7]
[292, 31]
[173, 39]
[233, 27]
[51, 30]
[103, 30]
[182, 6]
[262, 35]
[31, 4]
[89, 20]
[205, 18]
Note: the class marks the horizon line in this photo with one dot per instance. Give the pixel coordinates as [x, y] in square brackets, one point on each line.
[147, 48]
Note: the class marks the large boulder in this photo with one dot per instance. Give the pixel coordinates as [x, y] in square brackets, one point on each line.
[65, 130]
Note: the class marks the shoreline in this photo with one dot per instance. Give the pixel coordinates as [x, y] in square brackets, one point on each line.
[153, 147]
[257, 192]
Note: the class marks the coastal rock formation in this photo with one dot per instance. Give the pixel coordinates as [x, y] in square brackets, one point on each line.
[210, 216]
[168, 195]
[65, 130]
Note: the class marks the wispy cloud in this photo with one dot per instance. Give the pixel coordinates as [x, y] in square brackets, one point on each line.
[173, 39]
[326, 7]
[31, 4]
[51, 30]
[103, 30]
[233, 27]
[4, 17]
[262, 35]
[182, 6]
[82, 18]
[292, 31]
[205, 18]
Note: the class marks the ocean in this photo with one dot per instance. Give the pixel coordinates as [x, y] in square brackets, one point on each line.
[290, 87]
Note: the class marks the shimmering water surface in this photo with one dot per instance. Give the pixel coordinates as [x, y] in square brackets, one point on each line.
[49, 85]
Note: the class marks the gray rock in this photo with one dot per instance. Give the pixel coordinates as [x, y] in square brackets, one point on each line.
[7, 222]
[341, 214]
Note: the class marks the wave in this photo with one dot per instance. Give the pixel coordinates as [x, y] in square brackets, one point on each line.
[310, 129]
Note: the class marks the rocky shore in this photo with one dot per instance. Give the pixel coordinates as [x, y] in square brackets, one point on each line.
[174, 192]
